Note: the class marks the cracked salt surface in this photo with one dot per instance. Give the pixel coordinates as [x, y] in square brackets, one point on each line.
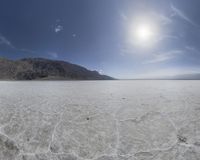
[100, 120]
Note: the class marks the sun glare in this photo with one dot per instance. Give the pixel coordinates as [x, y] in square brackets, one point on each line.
[143, 33]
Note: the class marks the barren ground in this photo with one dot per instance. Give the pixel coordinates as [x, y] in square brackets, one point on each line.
[100, 120]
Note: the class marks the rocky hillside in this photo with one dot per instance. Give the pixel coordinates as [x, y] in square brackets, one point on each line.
[39, 68]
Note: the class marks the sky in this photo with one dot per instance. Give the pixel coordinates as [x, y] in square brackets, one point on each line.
[120, 38]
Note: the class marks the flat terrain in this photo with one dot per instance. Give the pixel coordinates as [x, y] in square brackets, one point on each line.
[100, 120]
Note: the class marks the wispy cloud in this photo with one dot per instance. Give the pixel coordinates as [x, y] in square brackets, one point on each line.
[161, 18]
[58, 28]
[193, 52]
[127, 50]
[181, 14]
[165, 19]
[27, 50]
[100, 71]
[167, 36]
[74, 35]
[5, 41]
[123, 16]
[162, 57]
[193, 49]
[53, 54]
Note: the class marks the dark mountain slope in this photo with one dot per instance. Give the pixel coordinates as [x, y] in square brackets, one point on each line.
[39, 68]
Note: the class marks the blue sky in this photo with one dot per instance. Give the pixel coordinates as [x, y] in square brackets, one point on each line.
[98, 34]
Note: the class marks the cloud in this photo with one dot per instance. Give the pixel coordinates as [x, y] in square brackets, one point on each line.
[182, 15]
[167, 36]
[100, 71]
[27, 50]
[164, 19]
[123, 16]
[58, 28]
[127, 50]
[194, 52]
[58, 20]
[162, 57]
[53, 54]
[74, 35]
[191, 48]
[158, 17]
[5, 41]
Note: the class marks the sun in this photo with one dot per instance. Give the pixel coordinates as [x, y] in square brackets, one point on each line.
[144, 32]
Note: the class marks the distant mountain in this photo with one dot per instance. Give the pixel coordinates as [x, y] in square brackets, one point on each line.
[189, 76]
[192, 76]
[45, 69]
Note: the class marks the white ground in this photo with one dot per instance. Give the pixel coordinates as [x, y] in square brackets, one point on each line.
[100, 120]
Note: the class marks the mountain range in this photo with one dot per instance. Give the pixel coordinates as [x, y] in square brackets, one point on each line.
[45, 69]
[191, 76]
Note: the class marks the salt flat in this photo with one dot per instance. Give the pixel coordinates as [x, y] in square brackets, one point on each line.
[100, 120]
